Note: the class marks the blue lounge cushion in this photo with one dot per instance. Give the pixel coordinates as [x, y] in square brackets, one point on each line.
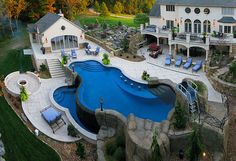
[198, 65]
[168, 60]
[51, 115]
[188, 63]
[178, 61]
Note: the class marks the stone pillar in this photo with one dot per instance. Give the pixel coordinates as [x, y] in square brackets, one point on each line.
[158, 41]
[188, 52]
[188, 38]
[146, 24]
[175, 51]
[207, 40]
[207, 53]
[170, 49]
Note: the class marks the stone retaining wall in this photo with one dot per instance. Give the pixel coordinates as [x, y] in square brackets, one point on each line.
[222, 86]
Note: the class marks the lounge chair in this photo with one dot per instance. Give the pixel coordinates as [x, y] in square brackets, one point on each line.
[88, 52]
[178, 61]
[168, 59]
[73, 54]
[197, 66]
[97, 51]
[53, 118]
[188, 63]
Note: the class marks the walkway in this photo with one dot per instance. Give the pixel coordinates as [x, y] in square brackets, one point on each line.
[38, 101]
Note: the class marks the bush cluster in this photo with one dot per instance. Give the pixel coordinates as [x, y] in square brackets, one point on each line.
[106, 60]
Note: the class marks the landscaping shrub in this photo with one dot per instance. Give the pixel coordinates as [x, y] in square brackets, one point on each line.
[120, 141]
[104, 26]
[119, 23]
[64, 60]
[105, 59]
[145, 75]
[72, 131]
[155, 155]
[43, 68]
[23, 94]
[110, 148]
[119, 154]
[232, 69]
[180, 117]
[80, 150]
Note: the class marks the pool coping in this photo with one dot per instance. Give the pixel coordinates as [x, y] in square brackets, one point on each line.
[88, 136]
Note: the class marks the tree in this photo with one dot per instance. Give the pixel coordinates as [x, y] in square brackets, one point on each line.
[141, 18]
[49, 7]
[10, 9]
[155, 155]
[195, 145]
[118, 7]
[96, 6]
[19, 6]
[2, 7]
[104, 10]
[180, 117]
[232, 69]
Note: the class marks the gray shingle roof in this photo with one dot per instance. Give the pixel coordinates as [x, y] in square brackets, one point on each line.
[44, 23]
[227, 20]
[156, 10]
[200, 3]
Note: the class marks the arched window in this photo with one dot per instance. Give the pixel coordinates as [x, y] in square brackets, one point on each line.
[207, 26]
[64, 42]
[197, 26]
[188, 25]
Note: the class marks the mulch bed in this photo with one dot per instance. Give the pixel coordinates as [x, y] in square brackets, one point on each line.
[131, 57]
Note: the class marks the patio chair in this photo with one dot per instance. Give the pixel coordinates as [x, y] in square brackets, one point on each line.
[188, 63]
[88, 52]
[198, 66]
[178, 61]
[168, 59]
[73, 54]
[53, 118]
[97, 51]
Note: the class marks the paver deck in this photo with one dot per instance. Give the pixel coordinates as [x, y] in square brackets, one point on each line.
[155, 67]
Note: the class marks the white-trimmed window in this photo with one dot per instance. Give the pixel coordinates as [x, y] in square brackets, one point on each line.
[228, 11]
[64, 42]
[227, 29]
[170, 8]
[197, 26]
[207, 26]
[188, 25]
[169, 24]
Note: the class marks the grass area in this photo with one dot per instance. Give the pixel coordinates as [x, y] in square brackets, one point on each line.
[20, 143]
[85, 20]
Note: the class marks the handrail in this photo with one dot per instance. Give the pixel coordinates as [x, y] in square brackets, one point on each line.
[194, 85]
[182, 89]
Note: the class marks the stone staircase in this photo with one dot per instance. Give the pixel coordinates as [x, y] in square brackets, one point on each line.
[55, 68]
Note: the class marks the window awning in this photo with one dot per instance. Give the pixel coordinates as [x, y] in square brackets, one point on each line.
[227, 20]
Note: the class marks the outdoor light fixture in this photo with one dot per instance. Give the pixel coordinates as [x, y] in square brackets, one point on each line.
[203, 154]
[101, 103]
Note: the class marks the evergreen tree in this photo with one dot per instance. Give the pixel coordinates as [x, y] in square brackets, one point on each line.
[180, 117]
[195, 145]
[118, 7]
[141, 18]
[96, 6]
[104, 10]
[156, 155]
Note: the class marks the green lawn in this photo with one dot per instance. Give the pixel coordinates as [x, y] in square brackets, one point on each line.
[85, 20]
[20, 143]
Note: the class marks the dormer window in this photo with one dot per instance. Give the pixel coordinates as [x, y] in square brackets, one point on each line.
[206, 11]
[170, 8]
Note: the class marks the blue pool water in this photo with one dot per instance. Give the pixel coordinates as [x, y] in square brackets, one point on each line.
[118, 92]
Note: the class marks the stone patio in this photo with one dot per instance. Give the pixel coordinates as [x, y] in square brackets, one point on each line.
[134, 70]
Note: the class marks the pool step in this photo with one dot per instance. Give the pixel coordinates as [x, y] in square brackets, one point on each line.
[55, 68]
[92, 67]
[164, 92]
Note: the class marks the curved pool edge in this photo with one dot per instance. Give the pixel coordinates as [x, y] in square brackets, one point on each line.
[88, 136]
[111, 66]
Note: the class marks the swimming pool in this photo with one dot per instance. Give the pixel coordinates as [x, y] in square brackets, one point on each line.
[118, 92]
